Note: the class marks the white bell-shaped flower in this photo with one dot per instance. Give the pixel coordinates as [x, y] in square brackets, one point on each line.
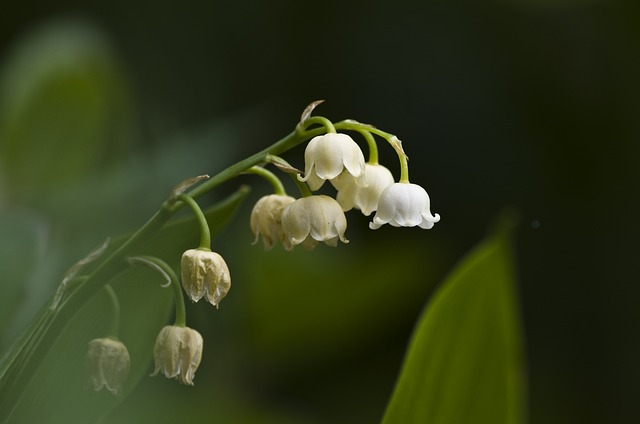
[107, 364]
[266, 220]
[178, 352]
[404, 205]
[329, 155]
[314, 219]
[351, 195]
[205, 273]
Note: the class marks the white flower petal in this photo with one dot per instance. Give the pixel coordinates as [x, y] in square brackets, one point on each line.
[351, 194]
[404, 205]
[328, 156]
[317, 218]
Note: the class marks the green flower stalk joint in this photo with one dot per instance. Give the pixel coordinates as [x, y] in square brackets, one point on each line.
[107, 364]
[177, 353]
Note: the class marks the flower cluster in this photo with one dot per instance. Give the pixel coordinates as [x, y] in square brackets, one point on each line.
[369, 187]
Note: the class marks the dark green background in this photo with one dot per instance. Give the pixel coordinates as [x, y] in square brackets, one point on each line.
[521, 102]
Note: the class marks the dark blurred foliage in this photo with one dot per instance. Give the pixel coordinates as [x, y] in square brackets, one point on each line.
[523, 102]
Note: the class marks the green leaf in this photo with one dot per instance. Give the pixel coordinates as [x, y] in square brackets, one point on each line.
[465, 360]
[21, 238]
[64, 108]
[53, 389]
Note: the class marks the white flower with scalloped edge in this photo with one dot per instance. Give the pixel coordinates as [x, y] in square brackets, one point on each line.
[351, 195]
[314, 219]
[205, 273]
[178, 352]
[329, 155]
[404, 205]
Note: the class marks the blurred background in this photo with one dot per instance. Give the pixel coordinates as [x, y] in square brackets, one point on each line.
[105, 106]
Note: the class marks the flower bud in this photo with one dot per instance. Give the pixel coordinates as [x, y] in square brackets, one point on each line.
[329, 155]
[177, 353]
[404, 205]
[107, 364]
[266, 220]
[205, 273]
[313, 219]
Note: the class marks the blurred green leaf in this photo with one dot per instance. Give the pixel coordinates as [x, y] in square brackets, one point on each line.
[465, 361]
[57, 393]
[64, 108]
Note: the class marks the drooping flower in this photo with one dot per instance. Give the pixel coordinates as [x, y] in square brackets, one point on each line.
[178, 352]
[205, 273]
[329, 155]
[404, 205]
[266, 220]
[351, 195]
[107, 364]
[314, 219]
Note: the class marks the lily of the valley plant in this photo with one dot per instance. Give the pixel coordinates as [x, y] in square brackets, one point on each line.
[333, 154]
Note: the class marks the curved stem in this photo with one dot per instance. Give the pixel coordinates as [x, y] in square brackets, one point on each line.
[328, 125]
[205, 233]
[275, 182]
[373, 146]
[114, 327]
[161, 266]
[293, 139]
[350, 124]
[404, 160]
[395, 142]
[302, 186]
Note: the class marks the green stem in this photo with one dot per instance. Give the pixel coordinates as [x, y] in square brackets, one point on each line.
[350, 124]
[114, 327]
[404, 160]
[373, 146]
[302, 186]
[328, 125]
[278, 187]
[205, 233]
[163, 268]
[392, 139]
